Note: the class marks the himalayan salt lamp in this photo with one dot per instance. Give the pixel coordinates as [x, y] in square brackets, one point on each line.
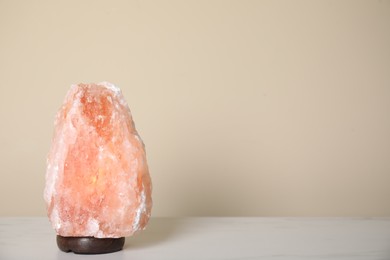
[98, 188]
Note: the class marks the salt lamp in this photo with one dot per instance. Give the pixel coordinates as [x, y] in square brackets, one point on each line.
[98, 188]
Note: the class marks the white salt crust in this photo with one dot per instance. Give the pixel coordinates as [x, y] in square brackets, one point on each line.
[92, 227]
[141, 208]
[110, 86]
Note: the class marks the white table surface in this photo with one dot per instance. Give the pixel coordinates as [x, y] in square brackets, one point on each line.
[217, 238]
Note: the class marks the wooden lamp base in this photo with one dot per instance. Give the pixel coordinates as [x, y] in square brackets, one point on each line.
[90, 245]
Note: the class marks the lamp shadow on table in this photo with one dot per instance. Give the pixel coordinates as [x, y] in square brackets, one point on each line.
[157, 231]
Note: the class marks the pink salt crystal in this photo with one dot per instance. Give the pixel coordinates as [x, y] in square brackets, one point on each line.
[97, 178]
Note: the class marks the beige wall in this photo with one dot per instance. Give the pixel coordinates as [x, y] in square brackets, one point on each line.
[259, 108]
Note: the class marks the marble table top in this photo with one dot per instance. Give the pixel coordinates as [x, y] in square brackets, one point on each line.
[217, 238]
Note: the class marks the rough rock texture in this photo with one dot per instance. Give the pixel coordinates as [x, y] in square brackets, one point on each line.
[97, 178]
